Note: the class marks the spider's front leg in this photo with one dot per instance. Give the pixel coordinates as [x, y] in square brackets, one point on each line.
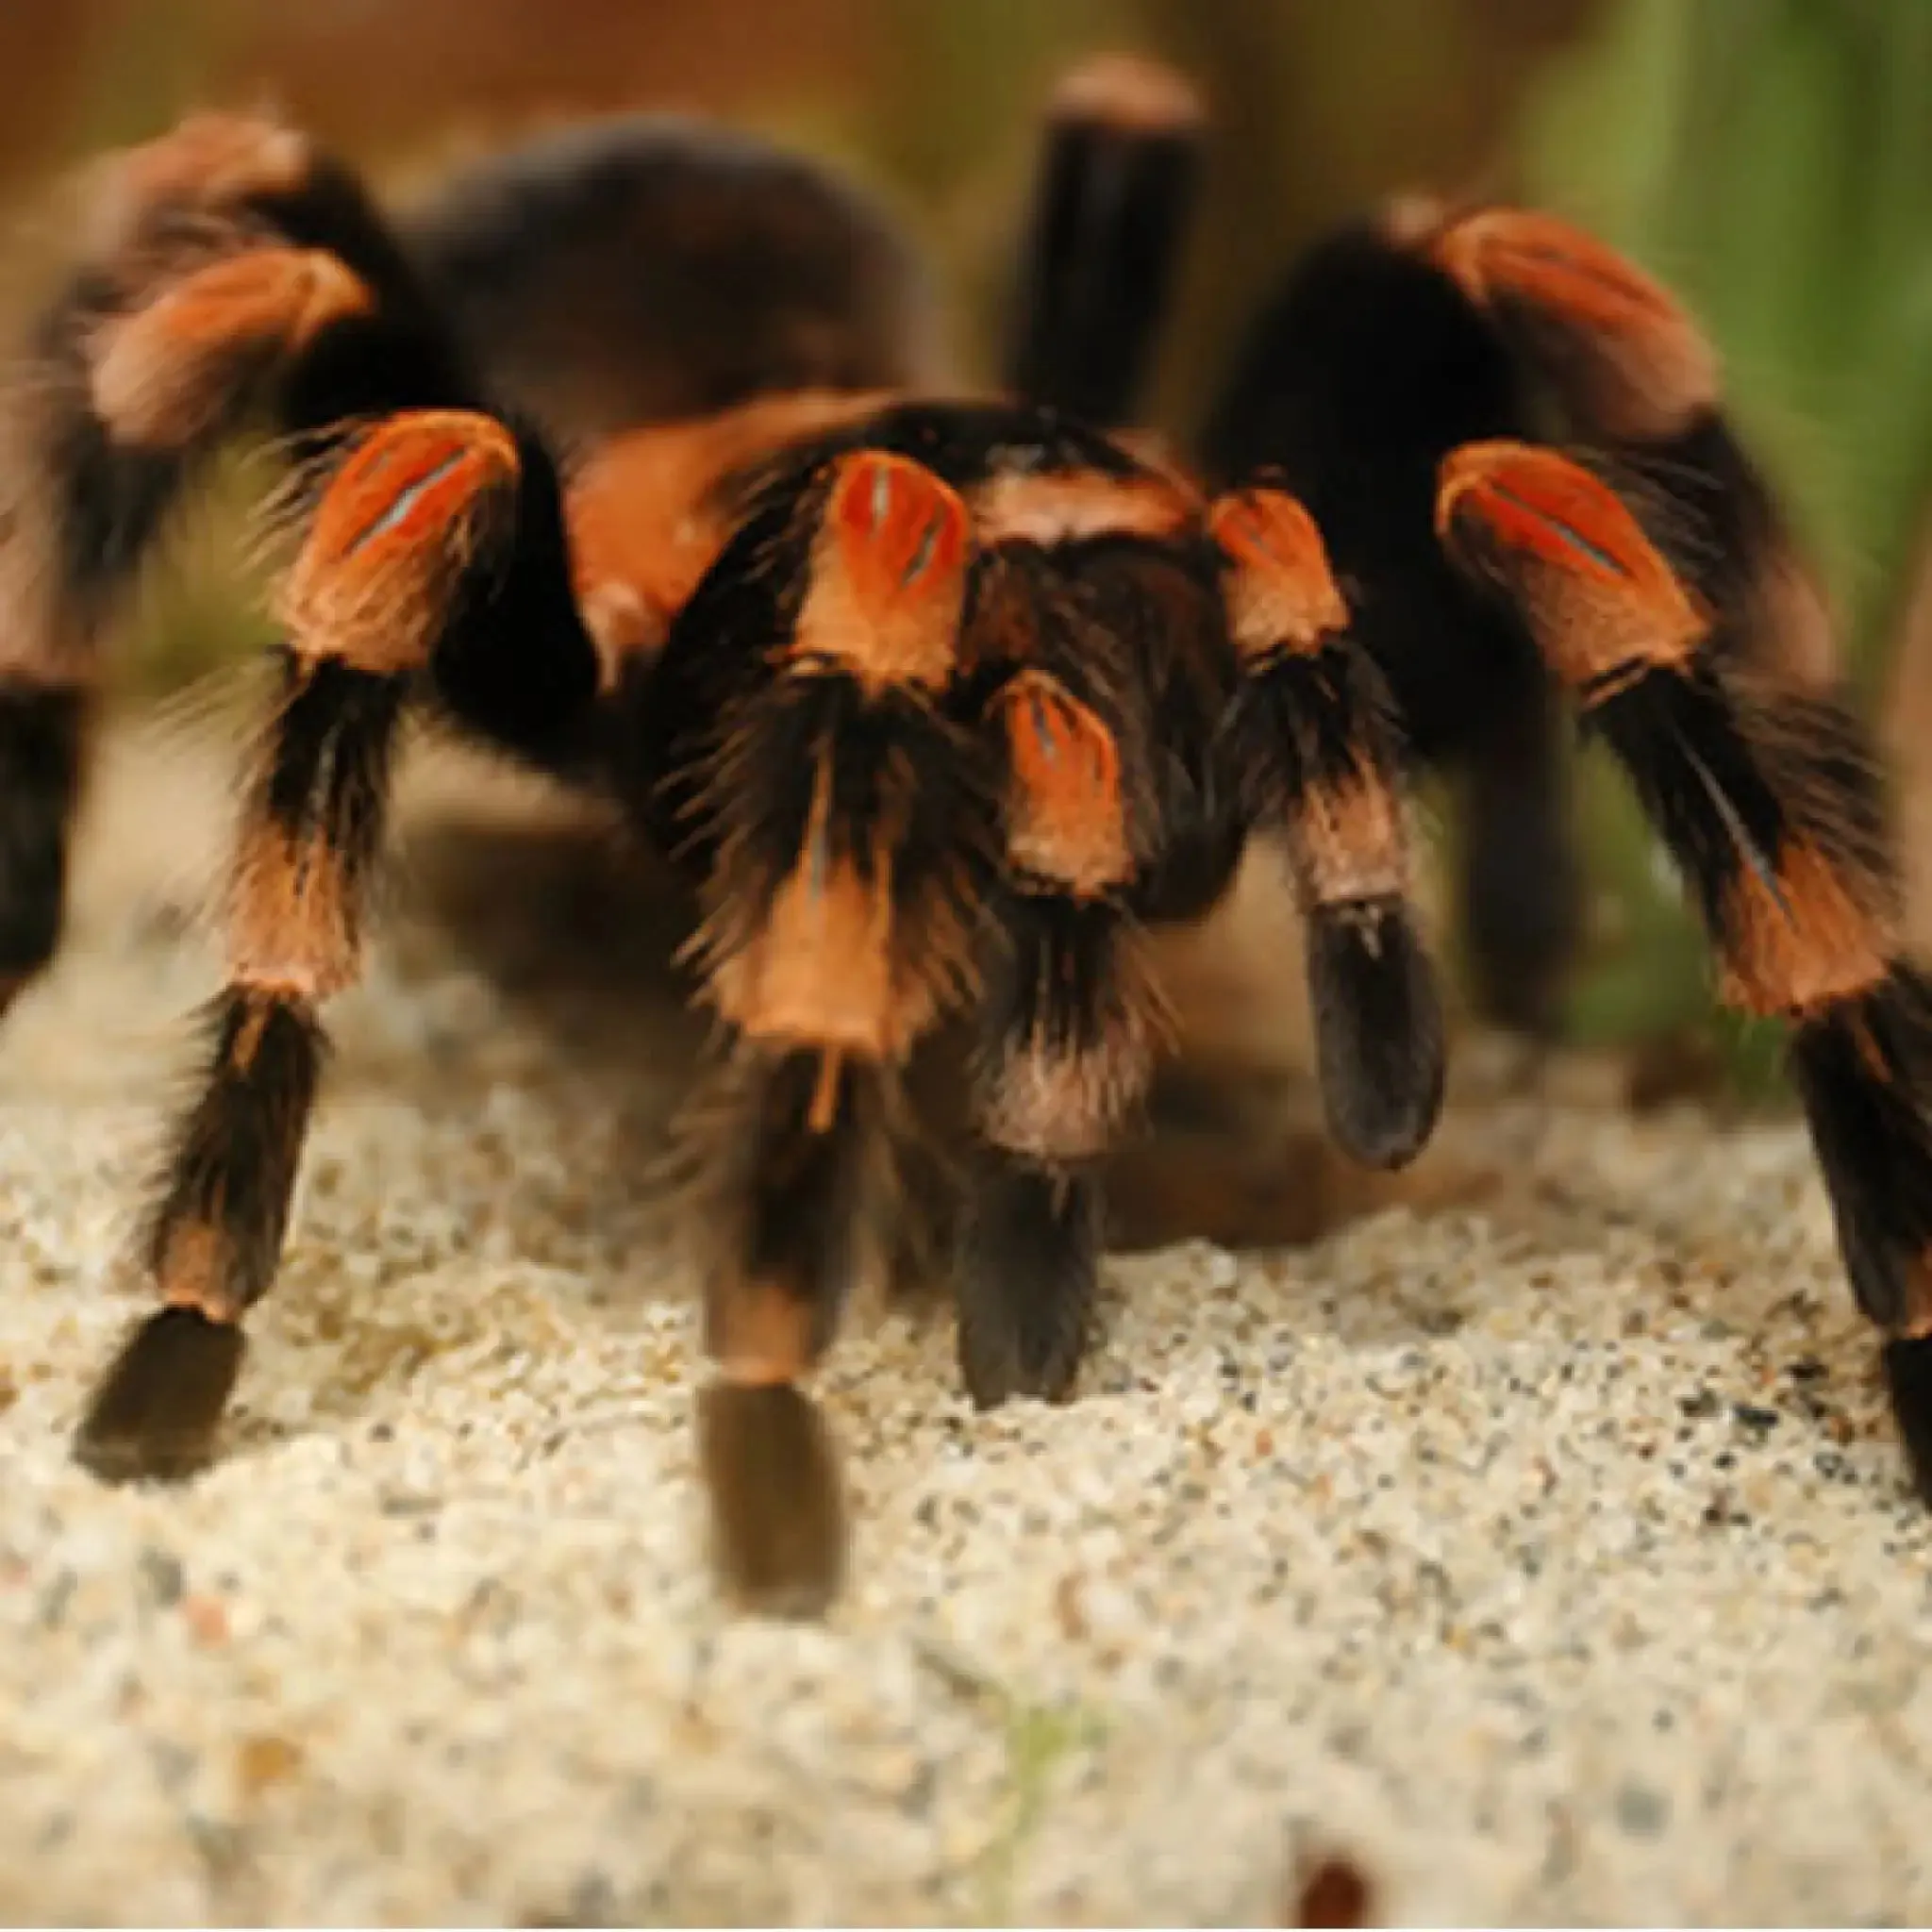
[1152, 655]
[1313, 749]
[1070, 1023]
[1765, 787]
[415, 518]
[832, 807]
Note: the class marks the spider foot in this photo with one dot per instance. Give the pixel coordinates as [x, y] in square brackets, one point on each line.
[158, 1408]
[1379, 1027]
[771, 1472]
[1029, 1254]
[1907, 1361]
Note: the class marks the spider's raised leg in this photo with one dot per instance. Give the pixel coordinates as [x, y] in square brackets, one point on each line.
[1366, 367]
[1313, 745]
[827, 803]
[229, 273]
[1110, 215]
[1765, 787]
[414, 522]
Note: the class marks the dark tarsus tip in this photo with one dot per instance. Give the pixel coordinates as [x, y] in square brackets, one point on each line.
[778, 1502]
[158, 1407]
[1030, 1257]
[1861, 1067]
[1378, 1021]
[42, 734]
[1908, 1376]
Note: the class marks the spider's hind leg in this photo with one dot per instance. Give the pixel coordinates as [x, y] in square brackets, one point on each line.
[224, 271]
[1761, 782]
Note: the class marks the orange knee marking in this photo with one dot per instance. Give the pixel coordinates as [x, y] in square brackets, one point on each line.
[193, 1271]
[398, 521]
[1650, 365]
[292, 924]
[1799, 940]
[162, 374]
[1060, 1104]
[888, 576]
[1280, 591]
[1349, 840]
[1066, 814]
[1601, 600]
[823, 969]
[759, 1333]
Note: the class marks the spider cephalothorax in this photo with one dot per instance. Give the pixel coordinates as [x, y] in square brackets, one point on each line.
[938, 704]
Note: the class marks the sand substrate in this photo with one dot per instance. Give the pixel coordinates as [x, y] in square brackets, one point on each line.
[1549, 1553]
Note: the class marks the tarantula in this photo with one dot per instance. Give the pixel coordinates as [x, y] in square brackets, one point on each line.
[627, 455]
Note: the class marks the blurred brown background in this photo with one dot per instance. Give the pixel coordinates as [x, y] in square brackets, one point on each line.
[1773, 159]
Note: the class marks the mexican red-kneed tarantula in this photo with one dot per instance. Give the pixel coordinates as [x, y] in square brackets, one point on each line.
[937, 702]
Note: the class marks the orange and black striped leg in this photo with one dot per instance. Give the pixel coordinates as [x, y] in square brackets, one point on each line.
[834, 817]
[1764, 789]
[1071, 1029]
[226, 272]
[1629, 363]
[1312, 747]
[368, 596]
[799, 1158]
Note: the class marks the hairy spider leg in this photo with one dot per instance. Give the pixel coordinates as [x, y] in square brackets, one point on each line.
[1097, 630]
[416, 515]
[227, 273]
[1363, 369]
[1764, 787]
[810, 669]
[1117, 185]
[1313, 743]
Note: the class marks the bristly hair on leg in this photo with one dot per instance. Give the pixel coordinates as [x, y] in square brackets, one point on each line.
[1763, 787]
[792, 1216]
[1310, 744]
[390, 560]
[1116, 188]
